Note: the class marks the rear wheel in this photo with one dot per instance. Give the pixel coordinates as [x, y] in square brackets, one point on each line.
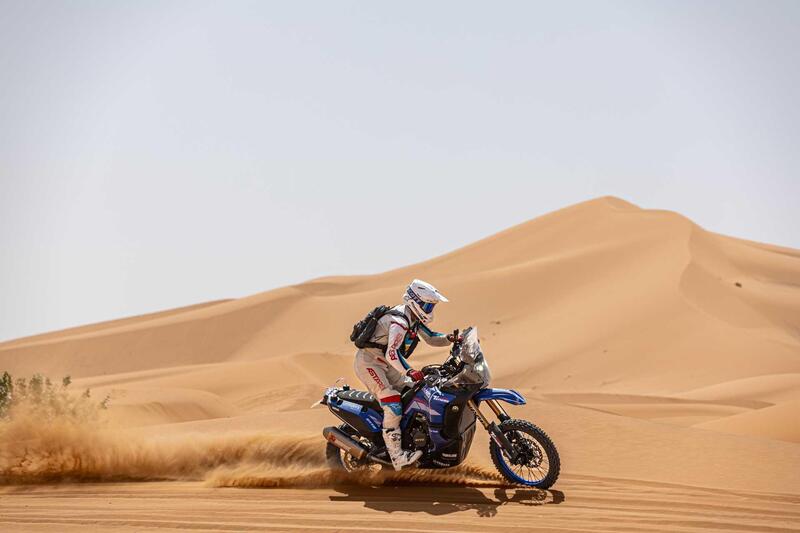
[536, 463]
[339, 459]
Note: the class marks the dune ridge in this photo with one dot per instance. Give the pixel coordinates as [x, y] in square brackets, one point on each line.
[653, 351]
[600, 297]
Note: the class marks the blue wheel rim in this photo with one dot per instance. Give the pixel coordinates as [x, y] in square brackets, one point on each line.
[513, 475]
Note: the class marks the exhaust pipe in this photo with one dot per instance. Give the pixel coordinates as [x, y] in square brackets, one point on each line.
[336, 437]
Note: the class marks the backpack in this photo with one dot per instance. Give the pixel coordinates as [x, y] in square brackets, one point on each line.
[364, 329]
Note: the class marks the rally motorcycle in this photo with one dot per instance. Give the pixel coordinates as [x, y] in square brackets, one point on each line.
[439, 414]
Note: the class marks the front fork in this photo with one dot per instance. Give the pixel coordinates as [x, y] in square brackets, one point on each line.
[494, 432]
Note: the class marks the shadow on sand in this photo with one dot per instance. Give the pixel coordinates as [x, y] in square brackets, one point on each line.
[444, 500]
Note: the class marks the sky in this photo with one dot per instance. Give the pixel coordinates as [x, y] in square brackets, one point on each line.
[160, 154]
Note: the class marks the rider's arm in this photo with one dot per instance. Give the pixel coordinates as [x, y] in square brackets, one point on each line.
[431, 337]
[397, 332]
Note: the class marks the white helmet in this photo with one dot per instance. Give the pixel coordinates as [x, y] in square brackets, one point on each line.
[421, 298]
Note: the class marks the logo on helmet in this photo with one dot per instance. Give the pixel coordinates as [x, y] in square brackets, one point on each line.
[421, 297]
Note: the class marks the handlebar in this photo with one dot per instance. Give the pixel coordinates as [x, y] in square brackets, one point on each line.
[451, 367]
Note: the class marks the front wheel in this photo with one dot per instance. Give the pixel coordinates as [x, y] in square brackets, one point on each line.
[536, 463]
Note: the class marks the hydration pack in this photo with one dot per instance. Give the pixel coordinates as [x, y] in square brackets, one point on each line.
[364, 329]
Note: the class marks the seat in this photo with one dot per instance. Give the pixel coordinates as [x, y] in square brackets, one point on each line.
[361, 397]
[367, 399]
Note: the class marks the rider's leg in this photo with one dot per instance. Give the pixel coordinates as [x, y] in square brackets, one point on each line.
[379, 382]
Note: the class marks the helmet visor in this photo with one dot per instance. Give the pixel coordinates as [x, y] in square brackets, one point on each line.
[427, 307]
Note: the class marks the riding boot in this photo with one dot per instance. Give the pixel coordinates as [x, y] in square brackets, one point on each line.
[397, 454]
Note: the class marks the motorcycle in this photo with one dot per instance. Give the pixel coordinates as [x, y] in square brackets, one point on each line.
[439, 418]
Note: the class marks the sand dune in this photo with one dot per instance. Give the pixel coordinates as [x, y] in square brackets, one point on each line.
[781, 421]
[764, 388]
[661, 357]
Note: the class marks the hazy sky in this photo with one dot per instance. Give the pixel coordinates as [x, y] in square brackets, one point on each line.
[157, 154]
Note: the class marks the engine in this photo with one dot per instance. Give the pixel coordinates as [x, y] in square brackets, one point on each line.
[416, 435]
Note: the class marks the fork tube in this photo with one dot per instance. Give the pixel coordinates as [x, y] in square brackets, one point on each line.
[474, 407]
[494, 432]
[495, 406]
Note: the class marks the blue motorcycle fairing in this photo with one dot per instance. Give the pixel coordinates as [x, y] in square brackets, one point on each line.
[371, 418]
[431, 402]
[450, 429]
[506, 395]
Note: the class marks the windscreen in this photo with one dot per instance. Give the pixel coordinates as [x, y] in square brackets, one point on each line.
[476, 370]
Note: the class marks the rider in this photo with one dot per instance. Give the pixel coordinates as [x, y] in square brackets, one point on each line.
[386, 373]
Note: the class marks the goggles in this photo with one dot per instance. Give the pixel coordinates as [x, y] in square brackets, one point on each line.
[427, 307]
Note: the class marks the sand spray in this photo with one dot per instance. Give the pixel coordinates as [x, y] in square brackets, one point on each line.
[34, 449]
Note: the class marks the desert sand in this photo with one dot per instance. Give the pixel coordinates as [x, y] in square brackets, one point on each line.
[663, 360]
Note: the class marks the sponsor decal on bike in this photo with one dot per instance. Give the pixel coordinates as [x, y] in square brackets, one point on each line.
[450, 455]
[374, 422]
[421, 406]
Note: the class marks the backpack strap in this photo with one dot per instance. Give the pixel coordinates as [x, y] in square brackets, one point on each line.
[402, 315]
[384, 347]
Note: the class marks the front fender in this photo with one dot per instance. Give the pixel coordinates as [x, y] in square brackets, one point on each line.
[505, 395]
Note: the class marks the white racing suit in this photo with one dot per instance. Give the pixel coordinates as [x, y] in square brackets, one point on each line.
[385, 374]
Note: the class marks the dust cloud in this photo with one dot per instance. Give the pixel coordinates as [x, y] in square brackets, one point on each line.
[64, 449]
